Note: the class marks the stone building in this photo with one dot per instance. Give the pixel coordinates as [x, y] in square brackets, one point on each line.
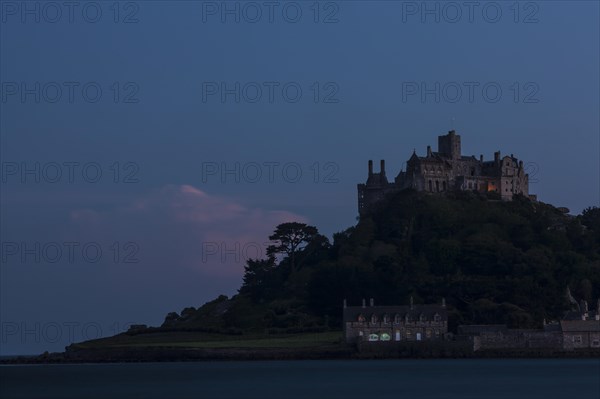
[578, 329]
[394, 323]
[447, 170]
[581, 329]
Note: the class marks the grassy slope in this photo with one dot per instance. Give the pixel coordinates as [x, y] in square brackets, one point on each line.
[203, 340]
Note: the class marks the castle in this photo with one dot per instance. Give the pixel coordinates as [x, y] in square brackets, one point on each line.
[447, 170]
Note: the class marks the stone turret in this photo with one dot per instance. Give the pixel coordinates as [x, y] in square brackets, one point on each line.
[450, 145]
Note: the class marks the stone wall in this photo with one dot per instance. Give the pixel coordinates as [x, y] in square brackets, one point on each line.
[517, 339]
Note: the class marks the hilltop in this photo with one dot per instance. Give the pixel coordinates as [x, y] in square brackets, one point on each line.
[496, 262]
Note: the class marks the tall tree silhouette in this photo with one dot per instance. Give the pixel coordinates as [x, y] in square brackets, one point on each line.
[290, 238]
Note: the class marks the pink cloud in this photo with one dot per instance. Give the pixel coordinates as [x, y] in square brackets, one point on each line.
[180, 226]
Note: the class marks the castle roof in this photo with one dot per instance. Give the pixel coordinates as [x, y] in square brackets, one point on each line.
[377, 179]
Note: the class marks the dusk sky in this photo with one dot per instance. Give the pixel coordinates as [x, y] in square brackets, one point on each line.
[174, 136]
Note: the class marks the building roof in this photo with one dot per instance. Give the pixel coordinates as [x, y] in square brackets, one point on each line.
[481, 329]
[351, 313]
[580, 325]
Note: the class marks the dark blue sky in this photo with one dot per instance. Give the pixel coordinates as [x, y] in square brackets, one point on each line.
[378, 80]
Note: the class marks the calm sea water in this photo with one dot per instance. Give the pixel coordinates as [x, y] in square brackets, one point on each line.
[477, 379]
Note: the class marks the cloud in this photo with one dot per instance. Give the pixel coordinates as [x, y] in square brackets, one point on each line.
[183, 227]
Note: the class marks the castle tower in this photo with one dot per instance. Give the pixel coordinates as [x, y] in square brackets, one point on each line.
[450, 145]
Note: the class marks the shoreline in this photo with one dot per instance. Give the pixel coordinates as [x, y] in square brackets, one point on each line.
[167, 355]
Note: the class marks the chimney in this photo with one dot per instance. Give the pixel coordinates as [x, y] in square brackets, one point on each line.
[520, 164]
[383, 167]
[428, 151]
[370, 168]
[345, 304]
[371, 302]
[364, 303]
[443, 302]
[584, 310]
[497, 156]
[481, 158]
[411, 303]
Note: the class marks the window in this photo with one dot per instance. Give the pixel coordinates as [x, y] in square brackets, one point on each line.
[361, 318]
[596, 342]
[437, 317]
[397, 318]
[421, 317]
[386, 318]
[373, 318]
[577, 339]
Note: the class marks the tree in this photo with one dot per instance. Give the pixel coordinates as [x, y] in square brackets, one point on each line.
[290, 238]
[258, 276]
[170, 319]
[590, 217]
